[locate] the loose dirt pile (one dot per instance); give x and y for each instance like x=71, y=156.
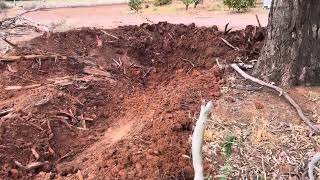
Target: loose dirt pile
x=117, y=103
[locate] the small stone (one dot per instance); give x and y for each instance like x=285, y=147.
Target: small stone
x=14, y=173
x=258, y=105
x=121, y=97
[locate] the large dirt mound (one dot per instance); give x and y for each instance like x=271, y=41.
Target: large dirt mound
x=146, y=80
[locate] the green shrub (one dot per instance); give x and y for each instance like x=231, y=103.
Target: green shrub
x=162, y=2
x=187, y=3
x=239, y=4
x=135, y=4
x=3, y=5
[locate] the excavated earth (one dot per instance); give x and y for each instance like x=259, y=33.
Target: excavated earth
x=112, y=104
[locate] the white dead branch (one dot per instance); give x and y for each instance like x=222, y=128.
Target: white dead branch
x=197, y=140
x=312, y=164
x=282, y=93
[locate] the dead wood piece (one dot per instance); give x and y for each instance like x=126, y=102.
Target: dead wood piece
x=30, y=57
x=10, y=43
x=258, y=21
x=115, y=37
x=42, y=101
x=35, y=153
x=65, y=156
x=197, y=140
x=11, y=88
x=5, y=111
x=96, y=71
x=312, y=165
x=229, y=44
x=219, y=65
x=64, y=121
x=282, y=93
x=30, y=166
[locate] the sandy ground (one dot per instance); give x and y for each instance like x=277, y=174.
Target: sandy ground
x=111, y=16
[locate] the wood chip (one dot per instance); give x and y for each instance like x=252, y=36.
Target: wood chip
x=96, y=71
x=35, y=153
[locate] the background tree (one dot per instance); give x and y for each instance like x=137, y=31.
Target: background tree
x=291, y=55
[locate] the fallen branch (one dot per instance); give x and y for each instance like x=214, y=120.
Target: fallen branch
x=30, y=57
x=115, y=37
x=282, y=93
x=258, y=21
x=229, y=44
x=65, y=156
x=30, y=166
x=197, y=140
x=218, y=64
x=10, y=43
x=312, y=165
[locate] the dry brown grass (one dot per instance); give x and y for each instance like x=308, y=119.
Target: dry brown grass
x=271, y=143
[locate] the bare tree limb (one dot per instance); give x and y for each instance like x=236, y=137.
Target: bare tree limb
x=197, y=140
x=229, y=44
x=258, y=21
x=282, y=93
x=312, y=164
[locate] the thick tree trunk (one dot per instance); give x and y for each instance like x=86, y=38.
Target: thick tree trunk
x=291, y=55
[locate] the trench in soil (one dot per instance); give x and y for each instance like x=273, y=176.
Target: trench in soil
x=120, y=106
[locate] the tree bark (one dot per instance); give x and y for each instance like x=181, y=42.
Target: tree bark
x=291, y=55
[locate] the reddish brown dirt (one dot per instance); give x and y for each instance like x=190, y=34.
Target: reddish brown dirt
x=139, y=95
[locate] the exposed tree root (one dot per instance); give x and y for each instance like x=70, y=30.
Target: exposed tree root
x=312, y=165
x=197, y=140
x=282, y=93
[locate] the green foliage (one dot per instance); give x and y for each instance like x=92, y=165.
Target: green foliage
x=239, y=4
x=187, y=3
x=135, y=4
x=3, y=5
x=162, y=2
x=225, y=171
x=227, y=146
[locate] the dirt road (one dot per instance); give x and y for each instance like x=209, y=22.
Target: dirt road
x=111, y=16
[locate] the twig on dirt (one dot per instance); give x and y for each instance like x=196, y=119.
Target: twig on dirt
x=10, y=43
x=50, y=130
x=197, y=140
x=312, y=165
x=30, y=57
x=64, y=121
x=35, y=153
x=229, y=44
x=115, y=37
x=146, y=74
x=258, y=21
x=65, y=156
x=119, y=64
x=282, y=93
x=218, y=64
x=5, y=111
x=30, y=166
x=186, y=60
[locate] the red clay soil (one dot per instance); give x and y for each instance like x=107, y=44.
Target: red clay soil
x=148, y=79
